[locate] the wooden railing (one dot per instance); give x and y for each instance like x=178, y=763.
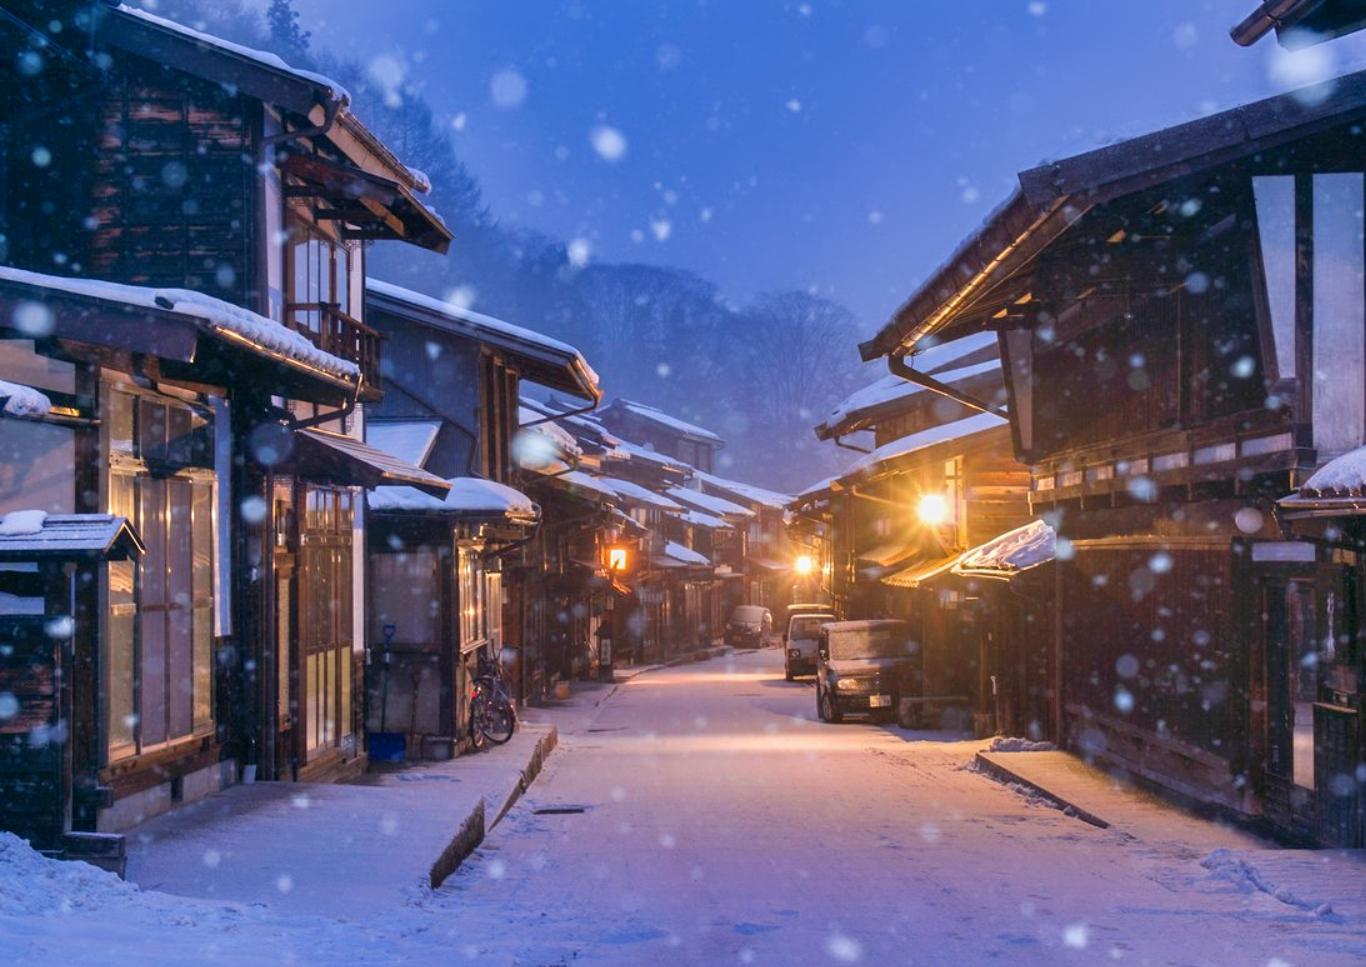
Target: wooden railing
x=335, y=332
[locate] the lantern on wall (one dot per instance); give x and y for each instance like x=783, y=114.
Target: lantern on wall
x=617, y=559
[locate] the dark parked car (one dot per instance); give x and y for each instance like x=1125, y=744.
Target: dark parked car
x=750, y=626
x=864, y=667
x=801, y=642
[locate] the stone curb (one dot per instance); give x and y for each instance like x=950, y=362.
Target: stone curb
x=544, y=746
x=465, y=842
x=994, y=768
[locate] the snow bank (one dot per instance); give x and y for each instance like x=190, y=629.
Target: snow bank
x=1227, y=865
x=22, y=523
x=24, y=402
x=1008, y=744
x=218, y=316
x=33, y=885
x=1016, y=550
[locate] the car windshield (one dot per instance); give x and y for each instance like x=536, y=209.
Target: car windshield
x=748, y=614
x=807, y=626
x=889, y=642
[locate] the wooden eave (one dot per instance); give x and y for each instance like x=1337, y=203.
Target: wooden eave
x=1053, y=196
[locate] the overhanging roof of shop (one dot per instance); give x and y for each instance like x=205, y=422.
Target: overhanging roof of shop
x=539, y=358
x=1011, y=553
x=889, y=456
x=409, y=440
x=970, y=285
x=189, y=330
x=1336, y=489
x=634, y=493
x=920, y=572
x=327, y=455
x=892, y=396
x=706, y=503
x=676, y=555
x=378, y=207
x=739, y=490
x=890, y=552
x=470, y=498
x=43, y=537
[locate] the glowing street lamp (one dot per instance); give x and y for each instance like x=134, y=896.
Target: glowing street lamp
x=616, y=559
x=804, y=564
x=933, y=509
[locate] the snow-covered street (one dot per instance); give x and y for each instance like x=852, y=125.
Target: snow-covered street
x=721, y=823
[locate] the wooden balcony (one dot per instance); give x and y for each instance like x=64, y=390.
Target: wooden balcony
x=335, y=332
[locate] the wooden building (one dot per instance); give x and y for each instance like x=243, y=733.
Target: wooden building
x=940, y=480
x=1182, y=321
x=184, y=224
x=452, y=405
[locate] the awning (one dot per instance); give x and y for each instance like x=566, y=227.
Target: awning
x=889, y=552
x=470, y=498
x=1012, y=553
x=919, y=572
x=909, y=450
x=32, y=535
x=698, y=519
x=1336, y=489
x=376, y=207
x=715, y=506
x=676, y=555
x=409, y=440
x=766, y=564
x=634, y=493
x=332, y=456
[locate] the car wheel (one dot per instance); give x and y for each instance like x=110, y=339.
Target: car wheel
x=787, y=672
x=826, y=708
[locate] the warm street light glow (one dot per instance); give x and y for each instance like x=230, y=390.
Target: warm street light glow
x=933, y=509
x=804, y=564
x=616, y=558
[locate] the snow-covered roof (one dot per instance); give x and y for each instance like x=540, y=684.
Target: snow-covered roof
x=23, y=402
x=634, y=451
x=709, y=504
x=634, y=492
x=938, y=355
x=562, y=439
x=1012, y=552
x=758, y=495
x=683, y=555
x=820, y=486
x=935, y=435
x=527, y=344
x=575, y=480
x=699, y=519
x=659, y=417
x=35, y=534
x=888, y=391
x=218, y=317
x=409, y=440
x=1344, y=476
x=469, y=496
x=262, y=58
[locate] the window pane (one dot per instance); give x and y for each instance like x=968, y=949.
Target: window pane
x=152, y=683
x=1275, y=200
x=1339, y=316
x=119, y=419
x=343, y=295
x=203, y=667
x=119, y=719
x=202, y=542
x=282, y=642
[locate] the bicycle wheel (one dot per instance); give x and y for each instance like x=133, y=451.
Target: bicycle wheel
x=501, y=721
x=478, y=720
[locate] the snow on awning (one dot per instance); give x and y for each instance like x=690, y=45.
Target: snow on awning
x=409, y=440
x=543, y=447
x=30, y=535
x=1011, y=553
x=228, y=324
x=919, y=572
x=323, y=454
x=634, y=493
x=1336, y=488
x=586, y=486
x=676, y=555
x=23, y=402
x=766, y=564
x=717, y=506
x=744, y=491
x=540, y=358
x=884, y=457
x=469, y=498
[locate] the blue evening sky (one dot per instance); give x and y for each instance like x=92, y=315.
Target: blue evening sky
x=842, y=147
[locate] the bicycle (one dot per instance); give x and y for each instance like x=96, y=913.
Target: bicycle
x=493, y=716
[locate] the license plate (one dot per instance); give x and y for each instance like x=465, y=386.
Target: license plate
x=879, y=701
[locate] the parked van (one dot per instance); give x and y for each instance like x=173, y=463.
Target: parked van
x=803, y=638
